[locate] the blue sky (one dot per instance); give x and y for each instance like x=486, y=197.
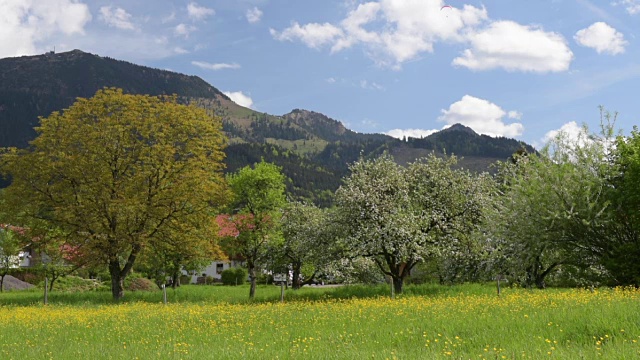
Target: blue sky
x=517, y=68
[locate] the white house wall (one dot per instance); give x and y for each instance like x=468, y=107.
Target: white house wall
x=214, y=270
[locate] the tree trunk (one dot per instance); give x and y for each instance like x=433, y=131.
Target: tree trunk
x=252, y=278
x=117, y=280
x=2, y=283
x=53, y=279
x=295, y=282
x=397, y=284
x=175, y=280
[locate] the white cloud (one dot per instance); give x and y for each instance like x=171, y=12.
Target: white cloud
x=180, y=50
x=482, y=116
x=515, y=47
x=183, y=30
x=414, y=133
x=313, y=35
x=197, y=12
x=407, y=28
x=571, y=131
x=393, y=32
x=218, y=66
x=239, y=98
x=27, y=25
x=370, y=85
x=118, y=18
x=331, y=80
x=514, y=115
x=632, y=6
x=169, y=18
x=254, y=15
x=602, y=38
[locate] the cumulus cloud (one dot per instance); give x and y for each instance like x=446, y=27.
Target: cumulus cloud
x=180, y=50
x=26, y=25
x=632, y=6
x=254, y=15
x=197, y=12
x=602, y=38
x=482, y=116
x=239, y=98
x=217, y=66
x=183, y=30
x=514, y=115
x=515, y=47
x=414, y=133
x=571, y=131
x=118, y=18
x=407, y=28
x=313, y=35
x=393, y=32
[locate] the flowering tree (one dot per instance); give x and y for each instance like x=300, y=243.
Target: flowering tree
x=309, y=243
x=402, y=216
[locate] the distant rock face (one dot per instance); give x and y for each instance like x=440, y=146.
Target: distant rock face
x=11, y=283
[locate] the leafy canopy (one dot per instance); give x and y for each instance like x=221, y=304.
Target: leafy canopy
x=120, y=174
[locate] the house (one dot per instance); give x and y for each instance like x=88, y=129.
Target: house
x=23, y=258
x=28, y=257
x=215, y=269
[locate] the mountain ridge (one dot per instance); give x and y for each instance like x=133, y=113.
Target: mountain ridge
x=313, y=149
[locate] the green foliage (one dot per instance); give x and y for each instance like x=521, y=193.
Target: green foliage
x=555, y=210
x=142, y=284
x=309, y=242
x=259, y=195
x=73, y=284
x=234, y=276
x=121, y=173
x=10, y=247
x=400, y=216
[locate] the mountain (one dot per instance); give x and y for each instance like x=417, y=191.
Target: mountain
x=32, y=86
x=313, y=149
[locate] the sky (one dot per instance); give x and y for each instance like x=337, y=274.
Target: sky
x=521, y=69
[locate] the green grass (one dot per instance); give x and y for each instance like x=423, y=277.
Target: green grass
x=427, y=322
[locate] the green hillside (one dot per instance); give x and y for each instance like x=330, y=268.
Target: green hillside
x=313, y=149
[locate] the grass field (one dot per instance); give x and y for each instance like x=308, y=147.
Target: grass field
x=428, y=322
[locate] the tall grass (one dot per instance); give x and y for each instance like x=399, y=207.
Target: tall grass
x=235, y=294
x=427, y=322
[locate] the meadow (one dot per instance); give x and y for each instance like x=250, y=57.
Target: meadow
x=355, y=322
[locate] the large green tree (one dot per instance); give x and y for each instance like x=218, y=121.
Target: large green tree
x=259, y=196
x=554, y=207
x=120, y=173
x=622, y=250
x=401, y=216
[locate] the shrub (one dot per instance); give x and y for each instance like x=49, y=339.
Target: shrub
x=234, y=276
x=75, y=284
x=142, y=284
x=185, y=279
